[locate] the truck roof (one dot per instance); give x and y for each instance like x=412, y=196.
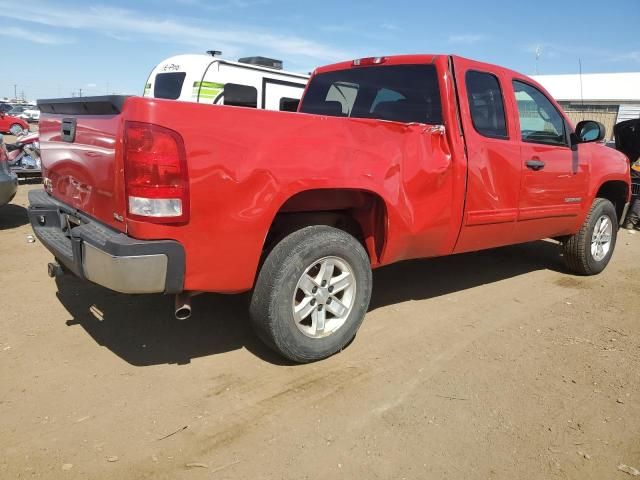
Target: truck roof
x=425, y=59
x=411, y=59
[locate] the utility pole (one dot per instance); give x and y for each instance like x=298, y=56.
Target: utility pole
x=581, y=91
x=15, y=91
x=80, y=92
x=538, y=55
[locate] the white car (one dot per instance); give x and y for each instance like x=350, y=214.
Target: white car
x=31, y=114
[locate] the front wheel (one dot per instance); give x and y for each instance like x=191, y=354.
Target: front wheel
x=589, y=251
x=312, y=293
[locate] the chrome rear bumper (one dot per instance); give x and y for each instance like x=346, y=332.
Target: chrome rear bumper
x=104, y=256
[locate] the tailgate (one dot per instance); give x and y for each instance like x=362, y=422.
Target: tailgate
x=80, y=141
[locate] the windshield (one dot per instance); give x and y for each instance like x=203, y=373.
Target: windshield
x=400, y=93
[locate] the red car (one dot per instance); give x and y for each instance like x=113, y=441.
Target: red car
x=12, y=125
x=388, y=159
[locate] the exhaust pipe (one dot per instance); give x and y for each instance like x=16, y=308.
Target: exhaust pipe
x=183, y=306
x=54, y=270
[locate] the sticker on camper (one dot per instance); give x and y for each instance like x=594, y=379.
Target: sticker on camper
x=208, y=91
x=147, y=90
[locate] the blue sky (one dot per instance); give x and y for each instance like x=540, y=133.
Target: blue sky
x=51, y=48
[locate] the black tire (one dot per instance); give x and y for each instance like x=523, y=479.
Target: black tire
x=577, y=249
x=272, y=301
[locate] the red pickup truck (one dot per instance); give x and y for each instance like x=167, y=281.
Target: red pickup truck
x=387, y=159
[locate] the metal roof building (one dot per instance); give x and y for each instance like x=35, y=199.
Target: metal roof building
x=607, y=97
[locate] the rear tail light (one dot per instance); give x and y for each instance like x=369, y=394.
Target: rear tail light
x=155, y=169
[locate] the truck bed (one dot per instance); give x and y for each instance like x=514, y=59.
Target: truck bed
x=244, y=166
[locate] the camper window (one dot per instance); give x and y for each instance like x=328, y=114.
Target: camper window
x=289, y=104
x=240, y=95
x=169, y=85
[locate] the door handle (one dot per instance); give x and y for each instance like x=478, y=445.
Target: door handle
x=535, y=165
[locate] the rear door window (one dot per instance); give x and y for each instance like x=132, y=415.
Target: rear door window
x=400, y=93
x=486, y=104
x=169, y=85
x=240, y=95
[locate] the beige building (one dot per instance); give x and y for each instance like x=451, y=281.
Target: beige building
x=609, y=98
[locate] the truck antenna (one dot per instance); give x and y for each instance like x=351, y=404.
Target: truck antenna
x=214, y=53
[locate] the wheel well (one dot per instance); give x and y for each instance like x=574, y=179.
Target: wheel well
x=360, y=213
x=617, y=193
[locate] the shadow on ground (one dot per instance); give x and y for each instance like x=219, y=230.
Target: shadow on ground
x=431, y=278
x=142, y=331
x=13, y=216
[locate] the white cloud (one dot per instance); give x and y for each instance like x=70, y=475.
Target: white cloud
x=467, y=38
x=389, y=26
x=123, y=22
x=337, y=28
x=550, y=50
x=230, y=4
x=34, y=36
x=627, y=57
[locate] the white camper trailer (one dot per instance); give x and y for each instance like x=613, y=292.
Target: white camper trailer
x=255, y=82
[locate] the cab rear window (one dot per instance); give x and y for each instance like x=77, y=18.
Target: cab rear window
x=168, y=85
x=400, y=93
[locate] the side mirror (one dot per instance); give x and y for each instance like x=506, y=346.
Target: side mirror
x=589, y=131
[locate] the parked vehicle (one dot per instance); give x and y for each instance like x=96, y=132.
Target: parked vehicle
x=24, y=155
x=389, y=159
x=8, y=179
x=12, y=125
x=255, y=82
x=627, y=135
x=17, y=110
x=5, y=107
x=30, y=114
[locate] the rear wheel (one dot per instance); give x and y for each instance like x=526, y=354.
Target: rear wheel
x=589, y=251
x=312, y=293
x=16, y=129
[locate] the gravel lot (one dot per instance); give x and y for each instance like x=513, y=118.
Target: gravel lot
x=480, y=366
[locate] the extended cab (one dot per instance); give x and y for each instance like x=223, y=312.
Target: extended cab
x=387, y=159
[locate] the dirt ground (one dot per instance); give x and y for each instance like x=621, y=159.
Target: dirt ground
x=480, y=366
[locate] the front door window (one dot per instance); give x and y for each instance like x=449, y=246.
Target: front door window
x=540, y=122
